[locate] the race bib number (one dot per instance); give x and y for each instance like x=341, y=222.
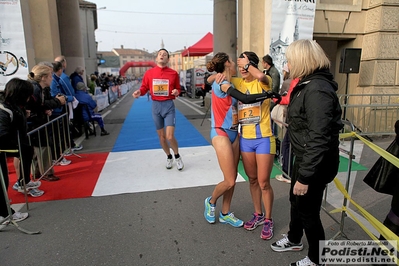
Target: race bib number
x=249, y=114
x=234, y=125
x=160, y=87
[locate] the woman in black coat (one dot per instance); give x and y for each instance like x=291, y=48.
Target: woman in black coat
x=41, y=105
x=13, y=125
x=314, y=119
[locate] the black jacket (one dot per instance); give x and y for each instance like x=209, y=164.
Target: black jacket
x=314, y=118
x=10, y=125
x=40, y=101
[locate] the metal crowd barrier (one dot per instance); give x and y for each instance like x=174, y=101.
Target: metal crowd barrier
x=50, y=141
x=371, y=114
x=348, y=126
x=349, y=133
x=9, y=220
x=57, y=138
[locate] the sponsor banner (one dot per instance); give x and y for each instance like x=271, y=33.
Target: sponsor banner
x=358, y=252
x=112, y=94
x=291, y=20
x=98, y=91
x=124, y=89
x=13, y=56
x=102, y=101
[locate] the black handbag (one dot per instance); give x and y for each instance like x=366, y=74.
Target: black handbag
x=383, y=176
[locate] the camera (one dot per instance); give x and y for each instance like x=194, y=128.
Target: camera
x=60, y=94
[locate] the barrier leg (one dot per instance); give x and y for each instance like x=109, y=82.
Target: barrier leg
x=345, y=202
x=8, y=220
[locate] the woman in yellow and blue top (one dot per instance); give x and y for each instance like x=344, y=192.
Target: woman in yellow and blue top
x=257, y=143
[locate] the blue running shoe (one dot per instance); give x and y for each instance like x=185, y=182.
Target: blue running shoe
x=209, y=212
x=230, y=219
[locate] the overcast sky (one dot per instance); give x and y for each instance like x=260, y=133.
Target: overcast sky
x=139, y=24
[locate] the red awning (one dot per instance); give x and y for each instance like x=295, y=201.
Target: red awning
x=200, y=48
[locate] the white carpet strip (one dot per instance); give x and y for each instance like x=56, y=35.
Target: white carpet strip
x=139, y=171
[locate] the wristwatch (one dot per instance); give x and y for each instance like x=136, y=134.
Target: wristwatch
x=247, y=66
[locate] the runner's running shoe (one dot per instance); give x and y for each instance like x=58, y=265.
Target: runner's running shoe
x=179, y=164
x=209, y=212
x=267, y=231
x=230, y=219
x=169, y=163
x=254, y=222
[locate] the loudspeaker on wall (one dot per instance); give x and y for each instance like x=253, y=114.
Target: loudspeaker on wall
x=350, y=60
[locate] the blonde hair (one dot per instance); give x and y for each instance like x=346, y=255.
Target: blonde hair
x=304, y=57
x=38, y=72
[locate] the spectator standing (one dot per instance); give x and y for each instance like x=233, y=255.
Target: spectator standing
x=61, y=84
x=286, y=154
x=383, y=178
x=314, y=119
x=77, y=76
x=41, y=105
x=164, y=86
x=207, y=88
x=92, y=84
x=13, y=126
x=286, y=81
x=271, y=70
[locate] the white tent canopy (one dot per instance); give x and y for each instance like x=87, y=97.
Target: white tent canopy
x=201, y=62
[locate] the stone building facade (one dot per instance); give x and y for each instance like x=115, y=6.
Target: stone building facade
x=372, y=25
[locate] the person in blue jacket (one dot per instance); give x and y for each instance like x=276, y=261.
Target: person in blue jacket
x=77, y=76
x=84, y=98
x=61, y=85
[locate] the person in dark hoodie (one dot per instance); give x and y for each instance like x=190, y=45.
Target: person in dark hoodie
x=13, y=136
x=314, y=119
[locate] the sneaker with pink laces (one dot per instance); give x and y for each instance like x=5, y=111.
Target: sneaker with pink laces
x=254, y=222
x=267, y=231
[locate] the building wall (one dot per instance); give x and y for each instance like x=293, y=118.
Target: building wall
x=134, y=55
x=176, y=61
x=41, y=30
x=70, y=34
x=52, y=28
x=87, y=28
x=372, y=25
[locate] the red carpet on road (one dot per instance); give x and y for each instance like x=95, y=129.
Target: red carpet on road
x=77, y=180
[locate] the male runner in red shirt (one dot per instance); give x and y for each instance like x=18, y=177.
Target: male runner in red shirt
x=164, y=86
